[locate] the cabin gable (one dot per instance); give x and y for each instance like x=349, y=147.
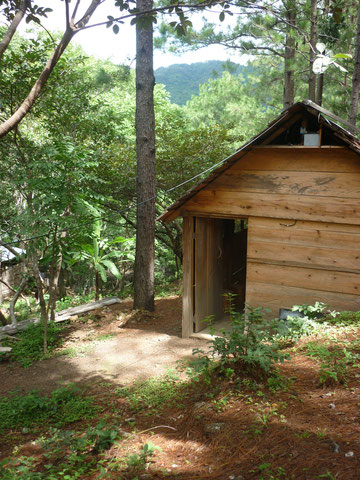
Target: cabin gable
x=305, y=183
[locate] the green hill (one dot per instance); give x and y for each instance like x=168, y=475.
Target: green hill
x=182, y=80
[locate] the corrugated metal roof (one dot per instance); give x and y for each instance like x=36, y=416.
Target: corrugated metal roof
x=306, y=105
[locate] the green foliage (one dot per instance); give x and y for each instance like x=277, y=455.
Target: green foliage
x=278, y=383
x=344, y=318
x=102, y=436
x=336, y=359
x=29, y=348
x=316, y=311
x=66, y=452
x=64, y=405
x=139, y=461
x=230, y=102
x=183, y=80
x=249, y=344
x=152, y=394
x=74, y=301
x=294, y=328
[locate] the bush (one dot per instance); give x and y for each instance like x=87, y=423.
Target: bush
x=250, y=344
x=30, y=346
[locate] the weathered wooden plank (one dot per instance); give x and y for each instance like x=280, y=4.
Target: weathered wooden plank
x=322, y=184
x=314, y=279
x=5, y=349
x=299, y=160
x=334, y=209
x=323, y=238
x=87, y=307
x=302, y=225
x=188, y=276
x=279, y=296
x=61, y=316
x=331, y=258
x=200, y=273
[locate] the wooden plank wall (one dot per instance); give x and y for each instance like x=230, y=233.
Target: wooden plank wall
x=315, y=184
x=291, y=262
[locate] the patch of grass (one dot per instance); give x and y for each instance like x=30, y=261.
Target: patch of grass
x=104, y=337
x=154, y=393
x=30, y=347
x=22, y=310
x=65, y=405
x=76, y=351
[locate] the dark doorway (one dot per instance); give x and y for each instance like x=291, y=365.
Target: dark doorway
x=235, y=253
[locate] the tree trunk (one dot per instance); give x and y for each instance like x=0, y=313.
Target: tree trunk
x=97, y=286
x=71, y=29
x=43, y=309
x=356, y=76
x=19, y=15
x=54, y=277
x=29, y=101
x=289, y=88
x=15, y=299
x=313, y=38
x=3, y=320
x=320, y=88
x=145, y=151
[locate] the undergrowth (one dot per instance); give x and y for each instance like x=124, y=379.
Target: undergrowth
x=251, y=345
x=65, y=405
x=152, y=394
x=29, y=348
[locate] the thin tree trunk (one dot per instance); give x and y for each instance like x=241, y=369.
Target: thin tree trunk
x=19, y=15
x=356, y=76
x=54, y=277
x=320, y=88
x=145, y=180
x=29, y=101
x=15, y=299
x=97, y=286
x=71, y=29
x=3, y=320
x=289, y=87
x=313, y=38
x=39, y=284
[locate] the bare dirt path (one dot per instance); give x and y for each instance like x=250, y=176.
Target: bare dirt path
x=100, y=351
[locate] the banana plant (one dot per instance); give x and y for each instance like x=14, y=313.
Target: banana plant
x=101, y=253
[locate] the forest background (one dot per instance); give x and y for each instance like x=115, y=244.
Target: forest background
x=68, y=170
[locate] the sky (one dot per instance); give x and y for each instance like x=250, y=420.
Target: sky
x=101, y=42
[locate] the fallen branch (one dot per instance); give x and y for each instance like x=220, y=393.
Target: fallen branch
x=88, y=307
x=61, y=316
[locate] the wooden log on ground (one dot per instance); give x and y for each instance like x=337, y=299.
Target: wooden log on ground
x=88, y=307
x=5, y=349
x=61, y=316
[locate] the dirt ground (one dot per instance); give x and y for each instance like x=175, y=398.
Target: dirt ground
x=148, y=345
x=223, y=431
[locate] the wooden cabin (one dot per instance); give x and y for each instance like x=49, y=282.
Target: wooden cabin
x=278, y=223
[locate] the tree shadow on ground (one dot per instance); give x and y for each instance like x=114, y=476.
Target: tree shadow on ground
x=290, y=434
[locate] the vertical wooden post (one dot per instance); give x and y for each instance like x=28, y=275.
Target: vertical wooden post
x=188, y=276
